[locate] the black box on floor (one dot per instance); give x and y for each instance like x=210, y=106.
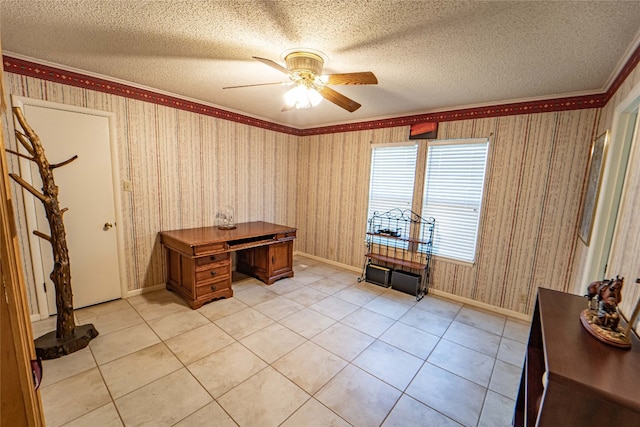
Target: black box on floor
x=405, y=282
x=378, y=275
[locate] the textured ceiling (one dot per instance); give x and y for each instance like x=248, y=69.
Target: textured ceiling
x=427, y=55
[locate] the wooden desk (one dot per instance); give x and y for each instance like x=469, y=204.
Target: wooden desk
x=199, y=261
x=589, y=383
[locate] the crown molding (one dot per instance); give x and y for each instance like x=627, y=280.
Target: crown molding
x=82, y=80
x=77, y=78
x=628, y=67
x=530, y=107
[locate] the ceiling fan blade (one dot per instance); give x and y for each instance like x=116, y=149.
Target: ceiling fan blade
x=338, y=99
x=363, y=78
x=258, y=84
x=272, y=64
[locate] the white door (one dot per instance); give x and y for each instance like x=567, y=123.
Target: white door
x=86, y=189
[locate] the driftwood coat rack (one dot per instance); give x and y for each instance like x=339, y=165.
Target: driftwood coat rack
x=67, y=338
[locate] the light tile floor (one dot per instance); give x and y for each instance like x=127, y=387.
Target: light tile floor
x=319, y=349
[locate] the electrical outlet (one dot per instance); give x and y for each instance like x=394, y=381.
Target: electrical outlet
x=127, y=185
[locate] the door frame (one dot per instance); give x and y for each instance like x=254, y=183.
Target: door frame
x=626, y=118
x=17, y=333
x=30, y=207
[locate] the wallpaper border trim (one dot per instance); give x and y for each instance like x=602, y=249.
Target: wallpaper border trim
x=628, y=68
x=530, y=107
x=49, y=73
x=57, y=75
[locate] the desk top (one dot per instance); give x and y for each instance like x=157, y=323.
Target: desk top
x=574, y=356
x=193, y=237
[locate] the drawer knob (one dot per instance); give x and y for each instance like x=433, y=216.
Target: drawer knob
x=213, y=273
x=212, y=258
x=213, y=288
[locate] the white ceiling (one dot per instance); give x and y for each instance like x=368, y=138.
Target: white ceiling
x=427, y=55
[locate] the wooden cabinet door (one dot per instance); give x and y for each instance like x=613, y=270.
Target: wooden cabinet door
x=281, y=255
x=268, y=263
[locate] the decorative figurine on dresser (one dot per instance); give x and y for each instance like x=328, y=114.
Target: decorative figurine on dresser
x=602, y=320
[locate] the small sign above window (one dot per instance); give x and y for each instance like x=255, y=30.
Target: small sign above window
x=427, y=130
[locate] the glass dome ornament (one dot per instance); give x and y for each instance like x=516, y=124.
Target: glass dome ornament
x=224, y=218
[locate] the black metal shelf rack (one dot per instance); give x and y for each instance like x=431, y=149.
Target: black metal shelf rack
x=399, y=243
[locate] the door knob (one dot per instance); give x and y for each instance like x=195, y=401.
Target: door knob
x=107, y=225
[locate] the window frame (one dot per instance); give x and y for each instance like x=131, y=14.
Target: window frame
x=477, y=207
x=420, y=175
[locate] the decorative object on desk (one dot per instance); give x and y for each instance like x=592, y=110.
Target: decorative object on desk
x=603, y=320
x=602, y=289
x=596, y=165
x=67, y=338
x=224, y=218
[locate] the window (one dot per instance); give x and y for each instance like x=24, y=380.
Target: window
x=451, y=190
x=392, y=181
x=454, y=180
x=392, y=178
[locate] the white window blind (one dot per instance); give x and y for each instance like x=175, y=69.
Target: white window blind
x=392, y=177
x=453, y=189
x=393, y=170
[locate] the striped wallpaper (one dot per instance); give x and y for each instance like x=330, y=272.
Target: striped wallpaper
x=185, y=165
x=529, y=219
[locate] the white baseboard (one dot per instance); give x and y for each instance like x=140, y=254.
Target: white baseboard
x=482, y=305
x=148, y=289
x=37, y=317
x=468, y=301
x=327, y=261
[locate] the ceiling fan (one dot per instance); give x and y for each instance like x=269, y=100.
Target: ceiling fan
x=304, y=69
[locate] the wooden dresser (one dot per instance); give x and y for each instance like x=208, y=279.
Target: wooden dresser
x=199, y=259
x=587, y=382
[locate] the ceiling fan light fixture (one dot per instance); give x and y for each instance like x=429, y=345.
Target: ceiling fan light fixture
x=302, y=96
x=304, y=69
x=305, y=62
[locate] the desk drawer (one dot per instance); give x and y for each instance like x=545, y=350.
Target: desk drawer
x=211, y=274
x=204, y=261
x=213, y=287
x=286, y=236
x=209, y=248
